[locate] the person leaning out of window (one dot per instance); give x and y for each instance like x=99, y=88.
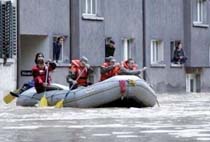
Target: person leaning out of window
x=110, y=48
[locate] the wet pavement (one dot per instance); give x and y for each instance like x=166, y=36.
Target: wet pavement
x=180, y=118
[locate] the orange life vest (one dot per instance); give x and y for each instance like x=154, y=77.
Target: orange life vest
x=77, y=69
x=125, y=65
x=110, y=73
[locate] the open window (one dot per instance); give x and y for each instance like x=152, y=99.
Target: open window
x=59, y=50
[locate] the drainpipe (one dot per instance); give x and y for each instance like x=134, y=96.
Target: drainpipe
x=18, y=41
x=70, y=28
x=144, y=36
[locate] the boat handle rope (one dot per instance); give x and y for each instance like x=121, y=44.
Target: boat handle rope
x=122, y=84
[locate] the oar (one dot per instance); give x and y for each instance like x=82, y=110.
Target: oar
x=43, y=101
x=8, y=98
x=59, y=104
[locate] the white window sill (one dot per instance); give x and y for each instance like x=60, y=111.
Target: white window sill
x=199, y=24
x=158, y=65
x=176, y=65
x=92, y=17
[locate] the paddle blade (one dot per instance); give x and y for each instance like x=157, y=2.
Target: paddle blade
x=59, y=104
x=43, y=102
x=8, y=98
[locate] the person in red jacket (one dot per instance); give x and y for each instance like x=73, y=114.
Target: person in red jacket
x=129, y=67
x=79, y=72
x=109, y=68
x=40, y=73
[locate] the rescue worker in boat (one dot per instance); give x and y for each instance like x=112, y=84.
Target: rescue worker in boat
x=41, y=75
x=79, y=72
x=109, y=68
x=129, y=67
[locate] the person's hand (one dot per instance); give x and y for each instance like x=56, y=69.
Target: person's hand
x=144, y=68
x=74, y=82
x=45, y=84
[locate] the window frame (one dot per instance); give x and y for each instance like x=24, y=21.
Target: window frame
x=200, y=11
x=94, y=12
x=89, y=4
x=201, y=14
x=127, y=46
x=157, y=56
x=62, y=59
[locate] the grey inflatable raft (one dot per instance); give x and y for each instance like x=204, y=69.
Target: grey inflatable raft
x=118, y=91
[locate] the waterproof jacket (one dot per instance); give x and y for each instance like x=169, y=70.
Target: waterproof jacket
x=39, y=76
x=77, y=70
x=108, y=71
x=126, y=70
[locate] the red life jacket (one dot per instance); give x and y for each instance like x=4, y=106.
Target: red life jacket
x=125, y=65
x=39, y=76
x=111, y=73
x=77, y=69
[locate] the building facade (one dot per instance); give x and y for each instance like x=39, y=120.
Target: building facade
x=146, y=30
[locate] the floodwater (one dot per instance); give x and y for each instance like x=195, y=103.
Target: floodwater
x=180, y=118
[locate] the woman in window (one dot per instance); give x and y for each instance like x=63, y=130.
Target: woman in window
x=57, y=46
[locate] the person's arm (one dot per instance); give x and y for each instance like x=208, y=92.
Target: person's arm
x=124, y=71
x=109, y=68
x=71, y=77
x=52, y=65
x=106, y=69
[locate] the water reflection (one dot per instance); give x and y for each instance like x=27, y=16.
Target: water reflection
x=179, y=118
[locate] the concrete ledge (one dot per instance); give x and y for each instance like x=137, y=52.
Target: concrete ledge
x=200, y=25
x=92, y=17
x=158, y=65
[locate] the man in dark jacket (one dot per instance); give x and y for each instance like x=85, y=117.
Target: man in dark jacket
x=179, y=56
x=110, y=48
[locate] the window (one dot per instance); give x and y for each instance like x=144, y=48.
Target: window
x=90, y=7
x=193, y=82
x=157, y=52
x=58, y=50
x=127, y=43
x=201, y=11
